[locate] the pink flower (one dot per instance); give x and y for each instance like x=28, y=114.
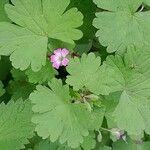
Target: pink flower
x=59, y=58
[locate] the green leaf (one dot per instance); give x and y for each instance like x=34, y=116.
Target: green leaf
x=46, y=74
x=57, y=118
x=38, y=20
x=4, y=71
x=55, y=44
x=88, y=9
x=3, y=16
x=97, y=117
x=110, y=102
x=134, y=85
x=130, y=145
x=18, y=75
x=46, y=145
x=82, y=70
x=127, y=76
x=26, y=48
x=2, y=91
x=118, y=5
x=15, y=125
x=138, y=62
x=89, y=142
x=103, y=147
x=47, y=18
x=134, y=110
x=21, y=81
x=20, y=89
x=147, y=2
x=83, y=73
x=131, y=113
x=121, y=26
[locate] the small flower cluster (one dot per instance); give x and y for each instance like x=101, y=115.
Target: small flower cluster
x=119, y=134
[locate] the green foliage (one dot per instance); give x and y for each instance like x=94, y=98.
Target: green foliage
x=5, y=67
x=89, y=142
x=46, y=74
x=15, y=124
x=38, y=21
x=19, y=80
x=23, y=91
x=130, y=145
x=110, y=102
x=2, y=91
x=133, y=107
x=93, y=96
x=57, y=118
x=122, y=26
x=46, y=145
x=3, y=16
x=85, y=44
x=92, y=76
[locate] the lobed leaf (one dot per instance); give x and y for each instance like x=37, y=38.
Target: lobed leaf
x=15, y=125
x=122, y=26
x=87, y=72
x=38, y=20
x=3, y=16
x=59, y=119
x=134, y=85
x=46, y=74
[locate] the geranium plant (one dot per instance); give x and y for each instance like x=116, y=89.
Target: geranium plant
x=75, y=74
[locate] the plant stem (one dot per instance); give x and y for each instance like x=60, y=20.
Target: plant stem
x=105, y=129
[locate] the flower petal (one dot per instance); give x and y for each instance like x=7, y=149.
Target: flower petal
x=64, y=52
x=56, y=65
x=53, y=58
x=65, y=62
x=58, y=52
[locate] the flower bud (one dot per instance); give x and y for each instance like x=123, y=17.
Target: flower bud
x=119, y=134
